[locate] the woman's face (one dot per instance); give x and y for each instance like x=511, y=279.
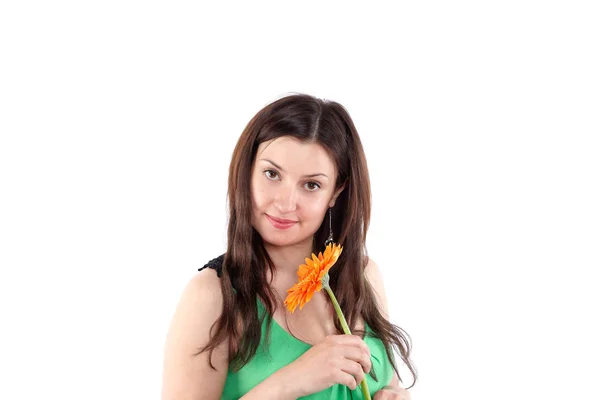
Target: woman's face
x=292, y=186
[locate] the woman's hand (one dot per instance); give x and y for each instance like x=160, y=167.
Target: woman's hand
x=342, y=359
x=392, y=393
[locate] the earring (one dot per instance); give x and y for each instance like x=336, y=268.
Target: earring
x=330, y=238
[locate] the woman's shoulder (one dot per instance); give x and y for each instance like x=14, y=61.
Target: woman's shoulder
x=375, y=278
x=207, y=283
x=216, y=265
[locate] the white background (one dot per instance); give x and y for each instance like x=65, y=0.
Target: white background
x=480, y=123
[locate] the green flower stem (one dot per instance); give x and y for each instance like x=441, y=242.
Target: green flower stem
x=338, y=310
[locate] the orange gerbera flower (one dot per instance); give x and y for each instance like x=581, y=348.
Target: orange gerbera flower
x=310, y=277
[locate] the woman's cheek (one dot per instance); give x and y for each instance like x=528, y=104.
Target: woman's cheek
x=260, y=194
x=316, y=205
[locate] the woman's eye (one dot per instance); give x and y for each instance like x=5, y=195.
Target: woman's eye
x=312, y=186
x=271, y=174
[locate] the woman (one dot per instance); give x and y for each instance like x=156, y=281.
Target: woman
x=297, y=178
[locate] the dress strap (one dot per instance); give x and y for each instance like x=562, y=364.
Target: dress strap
x=215, y=263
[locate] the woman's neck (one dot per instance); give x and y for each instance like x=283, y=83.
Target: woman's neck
x=286, y=260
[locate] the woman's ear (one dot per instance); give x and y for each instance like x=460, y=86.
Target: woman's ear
x=336, y=194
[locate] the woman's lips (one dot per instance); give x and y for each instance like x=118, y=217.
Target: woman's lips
x=280, y=223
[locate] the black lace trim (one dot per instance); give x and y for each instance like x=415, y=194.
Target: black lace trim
x=215, y=264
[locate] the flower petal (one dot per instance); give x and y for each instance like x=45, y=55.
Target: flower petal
x=310, y=277
x=303, y=270
x=315, y=260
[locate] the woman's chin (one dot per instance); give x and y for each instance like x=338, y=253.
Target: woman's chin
x=279, y=241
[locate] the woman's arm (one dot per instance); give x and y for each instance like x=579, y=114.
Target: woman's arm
x=272, y=388
x=375, y=278
x=185, y=376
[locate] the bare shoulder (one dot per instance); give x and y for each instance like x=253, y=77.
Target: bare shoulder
x=373, y=275
x=204, y=286
x=186, y=376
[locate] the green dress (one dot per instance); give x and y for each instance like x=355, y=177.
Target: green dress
x=283, y=349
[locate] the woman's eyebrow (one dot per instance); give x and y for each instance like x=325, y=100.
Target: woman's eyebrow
x=282, y=170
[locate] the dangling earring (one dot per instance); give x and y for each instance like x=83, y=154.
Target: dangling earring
x=330, y=238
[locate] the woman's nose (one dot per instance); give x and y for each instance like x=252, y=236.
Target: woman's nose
x=286, y=199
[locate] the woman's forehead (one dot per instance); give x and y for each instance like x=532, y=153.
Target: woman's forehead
x=296, y=155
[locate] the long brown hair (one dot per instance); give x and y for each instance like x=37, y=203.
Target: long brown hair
x=246, y=261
